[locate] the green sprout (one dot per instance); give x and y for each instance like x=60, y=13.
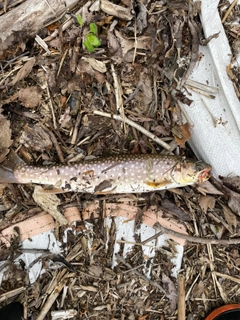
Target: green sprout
x=79, y=20
x=91, y=41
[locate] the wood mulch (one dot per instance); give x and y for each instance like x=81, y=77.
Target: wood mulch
x=61, y=103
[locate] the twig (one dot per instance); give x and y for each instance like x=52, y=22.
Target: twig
x=221, y=242
x=55, y=143
x=226, y=276
x=53, y=296
x=181, y=297
x=211, y=264
x=134, y=125
x=118, y=95
x=42, y=43
x=153, y=283
x=76, y=128
x=229, y=10
x=132, y=95
x=180, y=104
x=189, y=121
x=202, y=92
x=51, y=106
x=135, y=40
x=158, y=234
x=61, y=62
x=137, y=243
x=12, y=293
x=195, y=47
x=201, y=86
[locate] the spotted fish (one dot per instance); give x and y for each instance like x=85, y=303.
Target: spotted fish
x=118, y=174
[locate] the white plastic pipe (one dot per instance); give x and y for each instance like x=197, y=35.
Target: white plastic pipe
x=215, y=142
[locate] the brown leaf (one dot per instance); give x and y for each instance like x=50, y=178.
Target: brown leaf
x=232, y=183
x=30, y=97
x=96, y=270
x=206, y=202
x=218, y=230
x=24, y=71
x=171, y=292
x=234, y=204
x=160, y=130
x=208, y=187
x=176, y=211
x=36, y=138
x=230, y=217
x=181, y=134
x=198, y=289
x=5, y=137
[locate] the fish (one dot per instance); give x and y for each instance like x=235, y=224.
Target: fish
x=111, y=175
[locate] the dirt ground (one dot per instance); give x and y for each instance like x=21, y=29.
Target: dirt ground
x=102, y=79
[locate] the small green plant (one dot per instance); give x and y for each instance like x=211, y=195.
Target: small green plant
x=91, y=41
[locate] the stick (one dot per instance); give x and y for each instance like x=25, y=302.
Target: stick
x=118, y=95
x=53, y=296
x=221, y=242
x=134, y=125
x=181, y=297
x=229, y=10
x=153, y=283
x=55, y=143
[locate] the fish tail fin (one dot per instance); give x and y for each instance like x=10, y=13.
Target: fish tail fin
x=8, y=166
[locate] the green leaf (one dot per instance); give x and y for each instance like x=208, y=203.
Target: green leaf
x=93, y=28
x=89, y=46
x=93, y=40
x=79, y=19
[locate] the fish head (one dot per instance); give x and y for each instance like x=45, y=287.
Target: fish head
x=190, y=172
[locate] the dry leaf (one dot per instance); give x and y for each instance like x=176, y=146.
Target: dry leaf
x=24, y=71
x=170, y=207
x=96, y=64
x=218, y=230
x=30, y=97
x=208, y=187
x=171, y=292
x=49, y=203
x=181, y=134
x=198, y=289
x=230, y=217
x=5, y=137
x=232, y=183
x=116, y=11
x=206, y=202
x=234, y=203
x=36, y=138
x=96, y=270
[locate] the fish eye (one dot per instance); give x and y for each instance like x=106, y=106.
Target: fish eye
x=199, y=165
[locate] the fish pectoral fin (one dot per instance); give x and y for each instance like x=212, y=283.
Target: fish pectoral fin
x=102, y=186
x=158, y=184
x=51, y=190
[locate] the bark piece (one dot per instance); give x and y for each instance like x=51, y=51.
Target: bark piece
x=28, y=18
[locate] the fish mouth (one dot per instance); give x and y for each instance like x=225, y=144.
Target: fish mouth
x=204, y=174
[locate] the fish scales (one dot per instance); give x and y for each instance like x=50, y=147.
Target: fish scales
x=120, y=174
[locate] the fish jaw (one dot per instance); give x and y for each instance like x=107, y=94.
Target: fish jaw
x=190, y=172
x=204, y=174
